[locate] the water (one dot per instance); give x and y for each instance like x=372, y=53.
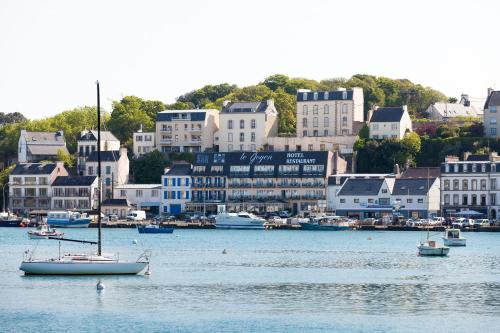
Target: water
x=269, y=281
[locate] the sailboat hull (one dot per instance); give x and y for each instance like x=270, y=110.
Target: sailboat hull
x=81, y=268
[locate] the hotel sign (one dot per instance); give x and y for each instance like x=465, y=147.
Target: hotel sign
x=263, y=158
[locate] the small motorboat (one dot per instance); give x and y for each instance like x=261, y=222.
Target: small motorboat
x=453, y=237
x=155, y=229
x=44, y=231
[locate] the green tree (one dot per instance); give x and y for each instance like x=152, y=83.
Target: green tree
x=285, y=105
x=127, y=117
x=68, y=159
x=148, y=168
x=412, y=143
x=364, y=132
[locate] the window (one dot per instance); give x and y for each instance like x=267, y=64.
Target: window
x=288, y=169
x=446, y=185
x=493, y=131
x=446, y=199
x=229, y=147
x=304, y=133
x=326, y=122
x=138, y=138
x=356, y=200
x=322, y=147
x=342, y=200
x=264, y=169
x=315, y=133
x=315, y=109
x=455, y=167
x=252, y=137
x=455, y=184
x=370, y=200
x=493, y=183
x=394, y=126
x=473, y=200
x=344, y=121
x=483, y=184
x=148, y=138
x=230, y=137
x=326, y=108
x=138, y=193
x=325, y=133
x=315, y=122
x=493, y=199
x=242, y=137
x=409, y=200
x=252, y=147
x=176, y=138
x=464, y=200
x=493, y=121
x=420, y=200
x=243, y=169
x=242, y=124
x=304, y=122
x=108, y=181
x=493, y=109
x=310, y=147
x=344, y=108
x=375, y=127
x=465, y=185
x=304, y=110
x=230, y=124
x=108, y=170
x=90, y=171
x=313, y=168
x=474, y=185
x=455, y=199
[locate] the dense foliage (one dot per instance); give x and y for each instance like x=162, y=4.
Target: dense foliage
x=149, y=168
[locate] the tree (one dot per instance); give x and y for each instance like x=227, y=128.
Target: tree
x=127, y=117
x=285, y=105
x=452, y=100
x=412, y=143
x=364, y=132
x=276, y=81
x=63, y=156
x=148, y=168
x=200, y=98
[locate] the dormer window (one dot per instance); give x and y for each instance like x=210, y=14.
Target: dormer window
x=304, y=96
x=344, y=95
x=326, y=95
x=315, y=96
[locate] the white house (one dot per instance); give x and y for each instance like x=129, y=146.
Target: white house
x=30, y=185
x=142, y=196
x=491, y=118
x=441, y=111
x=176, y=188
x=417, y=197
x=390, y=123
x=40, y=146
x=246, y=126
x=87, y=143
x=115, y=169
x=75, y=192
x=144, y=142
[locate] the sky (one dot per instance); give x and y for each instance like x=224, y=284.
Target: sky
x=52, y=52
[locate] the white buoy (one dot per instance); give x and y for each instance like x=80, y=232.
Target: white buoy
x=134, y=241
x=100, y=286
x=224, y=251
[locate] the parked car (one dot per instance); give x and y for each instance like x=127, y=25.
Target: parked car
x=481, y=223
x=276, y=219
x=136, y=215
x=284, y=214
x=112, y=217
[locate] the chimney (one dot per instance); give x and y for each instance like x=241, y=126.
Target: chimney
x=397, y=170
x=167, y=169
x=226, y=103
x=493, y=156
x=405, y=108
x=490, y=90
x=123, y=151
x=466, y=155
x=451, y=158
x=270, y=103
x=140, y=129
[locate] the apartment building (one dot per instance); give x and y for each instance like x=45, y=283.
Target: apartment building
x=470, y=184
x=75, y=193
x=141, y=196
x=87, y=144
x=186, y=130
x=329, y=113
x=491, y=118
x=390, y=123
x=40, y=146
x=30, y=186
x=246, y=126
x=176, y=188
x=115, y=169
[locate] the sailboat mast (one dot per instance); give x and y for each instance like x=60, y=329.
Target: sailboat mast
x=99, y=170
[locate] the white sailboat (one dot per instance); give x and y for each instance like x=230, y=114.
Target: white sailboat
x=85, y=264
x=431, y=248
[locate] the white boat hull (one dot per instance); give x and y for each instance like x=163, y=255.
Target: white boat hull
x=233, y=221
x=57, y=267
x=433, y=251
x=454, y=241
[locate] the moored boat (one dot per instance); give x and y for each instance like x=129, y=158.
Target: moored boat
x=67, y=219
x=241, y=220
x=10, y=220
x=327, y=223
x=431, y=248
x=453, y=237
x=43, y=231
x=155, y=229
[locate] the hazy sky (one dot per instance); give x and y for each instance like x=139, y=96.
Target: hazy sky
x=51, y=52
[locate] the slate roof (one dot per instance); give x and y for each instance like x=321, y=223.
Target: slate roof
x=46, y=149
x=355, y=186
x=478, y=158
x=91, y=135
x=106, y=156
x=337, y=95
x=181, y=169
x=245, y=107
x=45, y=137
x=169, y=115
x=387, y=115
x=115, y=202
x=34, y=169
x=412, y=186
x=448, y=110
x=74, y=181
x=421, y=173
x=493, y=99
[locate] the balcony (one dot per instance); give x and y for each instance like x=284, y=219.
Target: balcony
x=313, y=184
x=265, y=184
x=166, y=141
x=166, y=129
x=240, y=185
x=195, y=141
x=313, y=197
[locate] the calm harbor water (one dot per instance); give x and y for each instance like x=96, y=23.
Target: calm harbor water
x=269, y=281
